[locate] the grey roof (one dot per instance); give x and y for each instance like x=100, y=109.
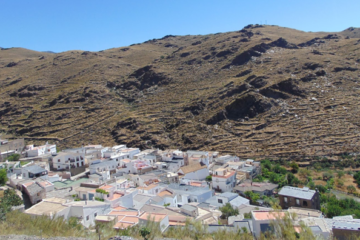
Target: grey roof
x=104, y=164
x=228, y=195
x=316, y=230
x=188, y=207
x=187, y=189
x=203, y=205
x=303, y=193
x=35, y=169
x=156, y=199
x=239, y=201
x=34, y=189
x=216, y=228
x=140, y=200
x=246, y=169
x=346, y=225
x=213, y=201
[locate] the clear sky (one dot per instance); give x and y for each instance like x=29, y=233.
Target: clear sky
x=61, y=25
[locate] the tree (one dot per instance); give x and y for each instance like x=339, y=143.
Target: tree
x=351, y=189
x=3, y=177
x=208, y=178
x=252, y=196
x=13, y=157
x=144, y=232
x=227, y=210
x=304, y=173
x=339, y=183
x=294, y=167
x=9, y=200
x=340, y=174
x=357, y=178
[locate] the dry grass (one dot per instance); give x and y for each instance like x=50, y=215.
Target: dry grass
x=327, y=126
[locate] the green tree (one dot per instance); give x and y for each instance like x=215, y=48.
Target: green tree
x=3, y=177
x=208, y=178
x=9, y=200
x=13, y=157
x=339, y=183
x=340, y=174
x=252, y=196
x=266, y=164
x=351, y=189
x=294, y=167
x=227, y=210
x=144, y=232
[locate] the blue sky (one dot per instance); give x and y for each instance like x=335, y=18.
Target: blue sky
x=61, y=25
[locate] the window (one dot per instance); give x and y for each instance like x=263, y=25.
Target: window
x=297, y=201
x=220, y=201
x=285, y=199
x=305, y=203
x=58, y=160
x=87, y=218
x=58, y=166
x=95, y=214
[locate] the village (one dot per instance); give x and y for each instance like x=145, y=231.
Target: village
x=124, y=187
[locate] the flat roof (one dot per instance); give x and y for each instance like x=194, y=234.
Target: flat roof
x=46, y=208
x=267, y=215
x=156, y=217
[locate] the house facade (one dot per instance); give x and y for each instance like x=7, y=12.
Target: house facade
x=223, y=180
x=299, y=197
x=67, y=160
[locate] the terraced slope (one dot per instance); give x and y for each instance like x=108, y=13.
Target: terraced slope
x=261, y=91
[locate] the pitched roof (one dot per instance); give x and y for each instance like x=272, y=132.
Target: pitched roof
x=303, y=193
x=192, y=168
x=35, y=169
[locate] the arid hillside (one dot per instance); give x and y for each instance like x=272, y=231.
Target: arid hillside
x=261, y=91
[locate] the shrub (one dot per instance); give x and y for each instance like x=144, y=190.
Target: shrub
x=3, y=177
x=13, y=157
x=208, y=178
x=227, y=210
x=294, y=167
x=351, y=189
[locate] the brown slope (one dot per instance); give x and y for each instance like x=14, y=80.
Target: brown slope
x=261, y=91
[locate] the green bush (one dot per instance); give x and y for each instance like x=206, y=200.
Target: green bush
x=13, y=157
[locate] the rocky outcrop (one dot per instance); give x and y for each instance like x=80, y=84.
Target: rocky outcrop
x=249, y=106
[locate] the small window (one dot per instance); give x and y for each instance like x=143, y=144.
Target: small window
x=297, y=201
x=58, y=166
x=285, y=199
x=305, y=203
x=58, y=160
x=220, y=201
x=87, y=218
x=95, y=214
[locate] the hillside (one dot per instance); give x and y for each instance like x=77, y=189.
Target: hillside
x=260, y=91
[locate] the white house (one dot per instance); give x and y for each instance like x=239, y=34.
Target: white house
x=199, y=156
x=261, y=221
x=105, y=165
x=223, y=180
x=152, y=189
x=67, y=160
x=195, y=171
x=87, y=211
x=162, y=219
x=186, y=193
x=32, y=151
